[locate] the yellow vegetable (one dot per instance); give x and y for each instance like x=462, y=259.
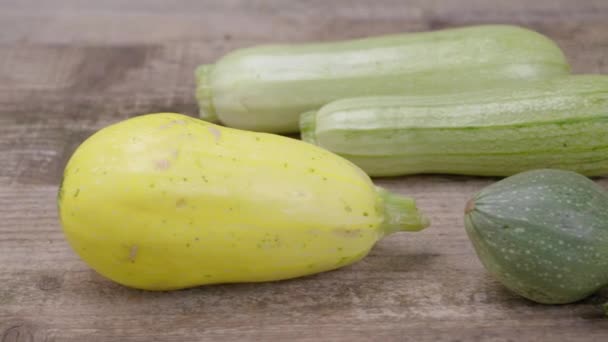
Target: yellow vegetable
x=165, y=201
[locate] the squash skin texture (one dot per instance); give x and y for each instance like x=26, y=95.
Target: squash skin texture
x=165, y=201
x=266, y=88
x=500, y=131
x=543, y=234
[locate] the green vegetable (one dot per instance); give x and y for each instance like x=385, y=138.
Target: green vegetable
x=555, y=123
x=266, y=88
x=543, y=234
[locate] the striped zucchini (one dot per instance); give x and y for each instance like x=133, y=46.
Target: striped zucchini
x=553, y=123
x=266, y=88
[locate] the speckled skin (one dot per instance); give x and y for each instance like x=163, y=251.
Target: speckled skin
x=266, y=88
x=497, y=131
x=543, y=234
x=165, y=201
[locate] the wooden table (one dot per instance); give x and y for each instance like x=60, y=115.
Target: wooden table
x=69, y=68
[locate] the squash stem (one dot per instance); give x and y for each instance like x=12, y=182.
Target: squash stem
x=204, y=94
x=400, y=213
x=308, y=126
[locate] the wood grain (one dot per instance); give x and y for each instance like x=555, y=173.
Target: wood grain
x=68, y=68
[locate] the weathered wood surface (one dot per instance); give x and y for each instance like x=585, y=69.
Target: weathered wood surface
x=68, y=68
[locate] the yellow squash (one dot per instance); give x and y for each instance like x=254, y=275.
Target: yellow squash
x=165, y=201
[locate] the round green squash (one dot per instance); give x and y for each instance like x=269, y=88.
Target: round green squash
x=543, y=234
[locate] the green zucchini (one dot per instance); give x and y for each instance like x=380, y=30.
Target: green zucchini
x=266, y=88
x=553, y=123
x=543, y=234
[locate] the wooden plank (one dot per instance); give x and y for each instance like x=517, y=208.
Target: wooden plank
x=409, y=282
x=99, y=69
x=28, y=72
x=54, y=96
x=310, y=8
x=70, y=67
x=116, y=22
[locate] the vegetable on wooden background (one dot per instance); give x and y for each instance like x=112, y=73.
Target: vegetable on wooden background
x=543, y=234
x=555, y=123
x=266, y=88
x=165, y=201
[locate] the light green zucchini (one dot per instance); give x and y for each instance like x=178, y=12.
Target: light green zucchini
x=266, y=88
x=558, y=123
